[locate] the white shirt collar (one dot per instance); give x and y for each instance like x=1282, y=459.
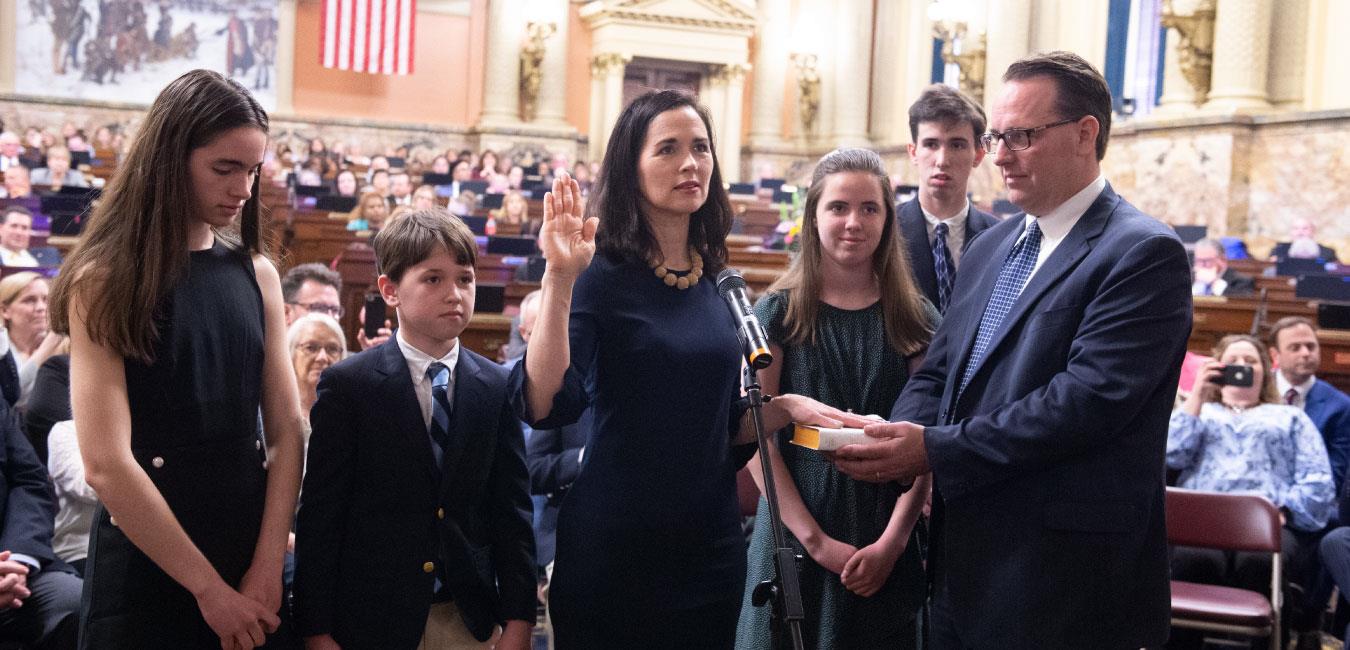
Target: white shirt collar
x=953, y=222
x=1283, y=385
x=1057, y=223
x=419, y=360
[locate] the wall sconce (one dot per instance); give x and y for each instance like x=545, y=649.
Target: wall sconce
x=952, y=25
x=808, y=90
x=532, y=66
x=1195, y=50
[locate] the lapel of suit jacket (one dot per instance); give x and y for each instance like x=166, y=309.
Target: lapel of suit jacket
x=466, y=420
x=973, y=227
x=1068, y=253
x=405, y=412
x=981, y=287
x=914, y=228
x=1312, y=404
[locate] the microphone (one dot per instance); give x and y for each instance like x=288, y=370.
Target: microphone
x=732, y=287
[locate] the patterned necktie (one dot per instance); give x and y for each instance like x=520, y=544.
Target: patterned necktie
x=440, y=403
x=1290, y=396
x=943, y=266
x=1011, y=279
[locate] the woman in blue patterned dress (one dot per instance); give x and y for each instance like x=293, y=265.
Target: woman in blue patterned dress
x=1243, y=439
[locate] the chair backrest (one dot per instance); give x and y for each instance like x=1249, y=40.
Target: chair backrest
x=1234, y=522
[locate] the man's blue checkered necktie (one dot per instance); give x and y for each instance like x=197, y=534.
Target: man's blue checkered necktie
x=943, y=266
x=440, y=403
x=1016, y=269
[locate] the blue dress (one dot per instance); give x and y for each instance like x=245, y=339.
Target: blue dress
x=649, y=546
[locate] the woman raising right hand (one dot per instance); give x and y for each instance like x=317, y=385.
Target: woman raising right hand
x=649, y=547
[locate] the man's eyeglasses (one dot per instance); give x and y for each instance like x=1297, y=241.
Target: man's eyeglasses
x=313, y=349
x=1017, y=139
x=335, y=311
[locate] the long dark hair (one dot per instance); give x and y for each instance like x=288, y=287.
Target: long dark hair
x=902, y=308
x=135, y=245
x=624, y=234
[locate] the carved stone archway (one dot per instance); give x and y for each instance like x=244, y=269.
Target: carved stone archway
x=713, y=33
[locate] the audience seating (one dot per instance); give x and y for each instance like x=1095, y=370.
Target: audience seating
x=1231, y=522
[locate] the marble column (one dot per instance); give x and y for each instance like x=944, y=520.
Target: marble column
x=606, y=98
x=729, y=81
x=888, y=72
x=1289, y=54
x=552, y=110
x=851, y=73
x=771, y=72
x=1178, y=95
x=501, y=74
x=285, y=58
x=1241, y=55
x=8, y=34
x=1008, y=39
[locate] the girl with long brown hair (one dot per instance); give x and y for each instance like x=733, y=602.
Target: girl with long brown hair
x=846, y=326
x=177, y=341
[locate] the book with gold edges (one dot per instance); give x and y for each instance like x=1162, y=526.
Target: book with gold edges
x=826, y=439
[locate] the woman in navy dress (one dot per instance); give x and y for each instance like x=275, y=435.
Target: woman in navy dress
x=177, y=341
x=649, y=546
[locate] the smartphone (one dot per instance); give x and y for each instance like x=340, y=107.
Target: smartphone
x=1236, y=375
x=375, y=315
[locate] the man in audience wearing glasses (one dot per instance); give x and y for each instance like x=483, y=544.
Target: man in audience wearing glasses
x=311, y=288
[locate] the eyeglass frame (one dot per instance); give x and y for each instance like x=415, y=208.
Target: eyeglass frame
x=310, y=307
x=334, y=352
x=989, y=139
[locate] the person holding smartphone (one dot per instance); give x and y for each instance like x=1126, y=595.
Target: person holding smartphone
x=1234, y=434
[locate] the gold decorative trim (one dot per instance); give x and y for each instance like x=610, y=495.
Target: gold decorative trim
x=602, y=64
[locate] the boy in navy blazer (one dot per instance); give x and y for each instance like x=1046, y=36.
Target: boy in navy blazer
x=414, y=523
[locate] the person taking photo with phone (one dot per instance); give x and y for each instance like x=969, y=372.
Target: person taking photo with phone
x=1234, y=434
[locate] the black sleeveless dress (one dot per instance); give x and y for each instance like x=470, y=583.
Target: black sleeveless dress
x=194, y=423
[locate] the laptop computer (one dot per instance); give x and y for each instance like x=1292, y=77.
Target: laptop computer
x=1323, y=286
x=335, y=203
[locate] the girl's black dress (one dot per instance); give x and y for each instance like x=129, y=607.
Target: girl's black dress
x=194, y=429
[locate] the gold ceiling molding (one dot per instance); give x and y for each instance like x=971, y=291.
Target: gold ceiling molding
x=727, y=15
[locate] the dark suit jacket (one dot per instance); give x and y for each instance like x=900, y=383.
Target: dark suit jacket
x=49, y=402
x=552, y=458
x=1048, y=511
x=27, y=506
x=1238, y=284
x=375, y=510
x=1324, y=253
x=9, y=378
x=914, y=228
x=1329, y=409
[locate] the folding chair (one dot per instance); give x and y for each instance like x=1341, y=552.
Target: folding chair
x=1230, y=522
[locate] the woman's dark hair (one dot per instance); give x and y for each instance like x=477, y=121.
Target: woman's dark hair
x=135, y=245
x=616, y=197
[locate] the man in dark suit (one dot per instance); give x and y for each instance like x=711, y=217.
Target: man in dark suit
x=938, y=225
x=1043, y=404
x=1211, y=275
x=414, y=523
x=1303, y=244
x=39, y=594
x=1295, y=350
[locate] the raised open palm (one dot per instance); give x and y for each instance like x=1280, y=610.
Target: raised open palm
x=566, y=239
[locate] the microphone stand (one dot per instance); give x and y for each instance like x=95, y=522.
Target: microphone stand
x=783, y=590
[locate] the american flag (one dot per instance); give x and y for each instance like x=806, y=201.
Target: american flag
x=373, y=36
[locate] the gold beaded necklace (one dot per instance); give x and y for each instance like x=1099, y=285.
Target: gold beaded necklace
x=681, y=283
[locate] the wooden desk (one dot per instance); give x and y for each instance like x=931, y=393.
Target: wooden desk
x=1217, y=317
x=486, y=334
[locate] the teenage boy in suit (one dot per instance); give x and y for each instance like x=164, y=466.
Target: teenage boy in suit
x=414, y=525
